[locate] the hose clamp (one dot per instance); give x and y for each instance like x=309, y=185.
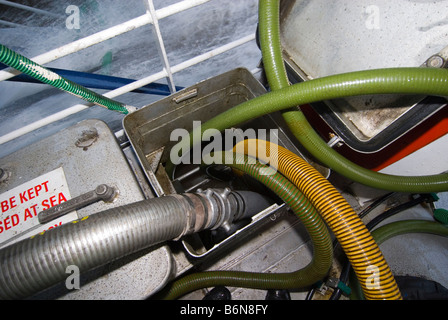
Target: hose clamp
x=221, y=207
x=190, y=214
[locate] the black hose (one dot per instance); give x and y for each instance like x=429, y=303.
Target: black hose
x=393, y=211
x=253, y=204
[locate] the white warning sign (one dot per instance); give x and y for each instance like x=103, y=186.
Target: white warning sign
x=20, y=206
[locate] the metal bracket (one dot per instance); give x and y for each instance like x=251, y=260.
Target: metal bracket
x=102, y=192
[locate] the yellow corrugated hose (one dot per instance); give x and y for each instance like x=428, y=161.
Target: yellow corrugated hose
x=372, y=270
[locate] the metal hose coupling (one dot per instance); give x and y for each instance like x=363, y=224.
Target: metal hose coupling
x=35, y=264
x=226, y=206
x=223, y=206
x=211, y=209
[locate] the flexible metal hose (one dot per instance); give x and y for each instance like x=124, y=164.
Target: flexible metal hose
x=35, y=264
x=32, y=69
x=353, y=236
x=322, y=244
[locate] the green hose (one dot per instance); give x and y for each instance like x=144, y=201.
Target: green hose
x=299, y=204
x=270, y=44
x=397, y=228
x=394, y=81
x=425, y=81
x=383, y=81
x=32, y=69
x=412, y=184
x=398, y=80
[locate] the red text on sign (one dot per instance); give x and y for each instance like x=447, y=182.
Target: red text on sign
x=31, y=211
x=24, y=196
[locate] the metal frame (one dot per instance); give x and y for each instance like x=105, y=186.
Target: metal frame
x=152, y=17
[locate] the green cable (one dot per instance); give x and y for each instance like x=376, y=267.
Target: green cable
x=316, y=270
x=32, y=69
x=397, y=228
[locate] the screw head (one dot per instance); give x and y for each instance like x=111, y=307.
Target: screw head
x=101, y=189
x=435, y=62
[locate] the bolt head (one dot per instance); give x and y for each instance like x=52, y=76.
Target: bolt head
x=435, y=62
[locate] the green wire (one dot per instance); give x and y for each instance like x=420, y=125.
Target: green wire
x=32, y=69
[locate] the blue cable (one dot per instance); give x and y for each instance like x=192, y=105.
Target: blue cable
x=97, y=81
